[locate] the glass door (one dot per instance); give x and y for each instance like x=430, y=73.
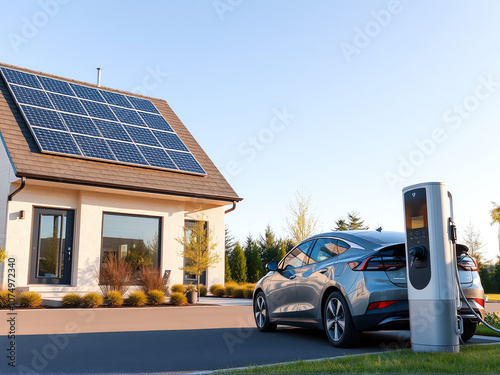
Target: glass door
x=52, y=246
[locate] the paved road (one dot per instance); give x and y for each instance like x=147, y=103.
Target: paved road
x=225, y=337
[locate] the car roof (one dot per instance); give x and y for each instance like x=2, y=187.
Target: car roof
x=370, y=239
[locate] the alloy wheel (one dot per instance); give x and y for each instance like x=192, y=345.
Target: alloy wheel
x=335, y=319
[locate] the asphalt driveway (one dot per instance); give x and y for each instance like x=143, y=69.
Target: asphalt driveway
x=185, y=339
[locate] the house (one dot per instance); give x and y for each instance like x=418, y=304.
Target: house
x=86, y=172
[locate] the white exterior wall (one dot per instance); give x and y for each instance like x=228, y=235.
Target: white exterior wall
x=6, y=177
x=89, y=206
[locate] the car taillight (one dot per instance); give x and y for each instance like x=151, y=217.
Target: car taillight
x=380, y=305
x=467, y=263
x=479, y=301
x=377, y=263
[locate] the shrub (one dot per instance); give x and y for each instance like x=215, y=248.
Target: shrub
x=137, y=299
x=492, y=319
x=177, y=288
x=248, y=293
x=219, y=291
x=238, y=292
x=151, y=279
x=71, y=300
x=215, y=286
x=249, y=286
x=230, y=287
x=30, y=299
x=113, y=298
x=114, y=274
x=6, y=298
x=177, y=299
x=3, y=255
x=203, y=290
x=156, y=297
x=92, y=299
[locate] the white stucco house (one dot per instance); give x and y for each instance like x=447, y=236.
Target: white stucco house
x=86, y=172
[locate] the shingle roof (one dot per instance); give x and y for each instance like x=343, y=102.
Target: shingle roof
x=29, y=162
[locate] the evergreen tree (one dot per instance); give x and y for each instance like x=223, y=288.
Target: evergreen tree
x=254, y=264
x=228, y=241
x=227, y=269
x=353, y=222
x=238, y=264
x=269, y=246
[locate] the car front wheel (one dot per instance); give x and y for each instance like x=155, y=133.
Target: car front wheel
x=261, y=314
x=338, y=323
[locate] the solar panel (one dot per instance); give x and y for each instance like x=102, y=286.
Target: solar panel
x=81, y=121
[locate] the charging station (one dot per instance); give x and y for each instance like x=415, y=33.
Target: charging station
x=431, y=268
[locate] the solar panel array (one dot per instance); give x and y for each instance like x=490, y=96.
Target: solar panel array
x=70, y=119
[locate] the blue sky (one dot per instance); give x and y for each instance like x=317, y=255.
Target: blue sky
x=350, y=101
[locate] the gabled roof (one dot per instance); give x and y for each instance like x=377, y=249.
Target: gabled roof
x=29, y=162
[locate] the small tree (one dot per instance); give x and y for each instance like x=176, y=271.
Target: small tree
x=227, y=269
x=199, y=250
x=495, y=218
x=238, y=265
x=353, y=222
x=302, y=222
x=474, y=241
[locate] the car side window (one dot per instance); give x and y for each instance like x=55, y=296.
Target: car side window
x=325, y=248
x=342, y=247
x=297, y=257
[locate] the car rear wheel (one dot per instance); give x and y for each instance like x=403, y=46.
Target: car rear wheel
x=469, y=329
x=338, y=323
x=261, y=314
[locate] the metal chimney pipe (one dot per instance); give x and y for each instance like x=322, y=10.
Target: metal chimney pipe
x=99, y=77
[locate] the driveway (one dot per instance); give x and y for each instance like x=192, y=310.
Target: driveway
x=164, y=339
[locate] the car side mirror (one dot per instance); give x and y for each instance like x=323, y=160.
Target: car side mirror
x=272, y=266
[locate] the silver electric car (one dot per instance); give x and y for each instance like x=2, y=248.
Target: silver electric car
x=349, y=282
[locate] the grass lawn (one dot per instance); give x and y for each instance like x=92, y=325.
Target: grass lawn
x=474, y=359
x=485, y=331
x=493, y=297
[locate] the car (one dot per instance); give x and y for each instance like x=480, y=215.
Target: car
x=348, y=282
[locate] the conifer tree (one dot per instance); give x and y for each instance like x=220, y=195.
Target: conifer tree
x=238, y=264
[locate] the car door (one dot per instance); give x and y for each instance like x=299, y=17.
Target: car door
x=314, y=277
x=280, y=291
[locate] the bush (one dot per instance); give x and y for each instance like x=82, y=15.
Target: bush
x=230, y=287
x=177, y=298
x=203, y=290
x=71, y=300
x=30, y=299
x=92, y=299
x=248, y=293
x=177, y=288
x=6, y=298
x=115, y=274
x=113, y=298
x=219, y=291
x=215, y=286
x=3, y=255
x=152, y=279
x=137, y=299
x=238, y=292
x=493, y=319
x=156, y=297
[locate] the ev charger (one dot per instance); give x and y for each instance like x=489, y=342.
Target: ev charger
x=431, y=268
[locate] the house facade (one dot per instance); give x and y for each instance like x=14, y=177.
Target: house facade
x=64, y=210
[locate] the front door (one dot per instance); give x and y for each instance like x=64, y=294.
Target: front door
x=52, y=246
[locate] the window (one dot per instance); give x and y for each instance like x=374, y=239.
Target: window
x=326, y=248
x=189, y=277
x=133, y=238
x=297, y=257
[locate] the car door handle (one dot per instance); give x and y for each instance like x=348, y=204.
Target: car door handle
x=323, y=270
x=293, y=277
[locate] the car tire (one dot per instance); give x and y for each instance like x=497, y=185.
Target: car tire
x=261, y=314
x=469, y=330
x=338, y=323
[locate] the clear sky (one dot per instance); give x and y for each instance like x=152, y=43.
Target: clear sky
x=350, y=101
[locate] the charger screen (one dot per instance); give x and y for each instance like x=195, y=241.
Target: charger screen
x=417, y=222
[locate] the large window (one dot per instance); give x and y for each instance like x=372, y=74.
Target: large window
x=133, y=238
x=189, y=277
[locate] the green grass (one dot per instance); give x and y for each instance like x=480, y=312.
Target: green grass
x=485, y=331
x=472, y=359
